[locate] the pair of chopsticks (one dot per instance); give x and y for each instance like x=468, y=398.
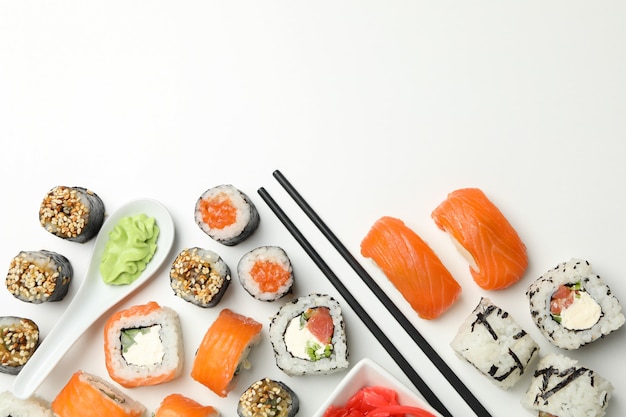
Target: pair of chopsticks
x=404, y=365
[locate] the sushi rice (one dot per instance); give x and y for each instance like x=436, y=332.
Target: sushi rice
x=12, y=406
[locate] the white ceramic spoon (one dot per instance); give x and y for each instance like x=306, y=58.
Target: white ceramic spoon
x=94, y=297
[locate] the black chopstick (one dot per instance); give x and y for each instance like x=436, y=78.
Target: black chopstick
x=404, y=365
x=428, y=350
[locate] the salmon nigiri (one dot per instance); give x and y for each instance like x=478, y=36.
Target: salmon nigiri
x=224, y=350
x=412, y=266
x=496, y=253
x=177, y=405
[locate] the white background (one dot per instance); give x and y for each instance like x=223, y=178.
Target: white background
x=369, y=108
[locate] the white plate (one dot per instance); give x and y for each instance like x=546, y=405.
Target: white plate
x=367, y=373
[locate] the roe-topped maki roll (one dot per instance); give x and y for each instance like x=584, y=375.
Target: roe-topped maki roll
x=572, y=306
x=308, y=336
x=199, y=276
x=226, y=214
x=19, y=340
x=39, y=276
x=72, y=213
x=266, y=273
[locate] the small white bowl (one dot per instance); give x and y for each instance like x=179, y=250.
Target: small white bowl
x=366, y=373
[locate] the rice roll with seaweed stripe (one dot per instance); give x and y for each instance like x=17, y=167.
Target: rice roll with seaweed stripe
x=143, y=345
x=268, y=397
x=199, y=276
x=226, y=214
x=72, y=213
x=562, y=387
x=39, y=276
x=308, y=336
x=20, y=339
x=492, y=341
x=266, y=273
x=572, y=306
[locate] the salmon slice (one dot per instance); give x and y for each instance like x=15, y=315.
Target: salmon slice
x=177, y=405
x=224, y=350
x=412, y=266
x=496, y=254
x=87, y=395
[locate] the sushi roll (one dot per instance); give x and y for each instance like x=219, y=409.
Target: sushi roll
x=492, y=341
x=143, y=345
x=561, y=387
x=496, y=254
x=39, y=276
x=199, y=276
x=226, y=214
x=224, y=350
x=12, y=406
x=266, y=273
x=412, y=267
x=72, y=213
x=572, y=306
x=88, y=395
x=268, y=397
x=177, y=405
x=20, y=339
x=308, y=336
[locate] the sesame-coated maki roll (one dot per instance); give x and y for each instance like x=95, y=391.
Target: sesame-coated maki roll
x=266, y=273
x=19, y=340
x=72, y=213
x=572, y=306
x=226, y=214
x=39, y=276
x=268, y=397
x=199, y=276
x=12, y=406
x=561, y=387
x=143, y=345
x=492, y=341
x=308, y=336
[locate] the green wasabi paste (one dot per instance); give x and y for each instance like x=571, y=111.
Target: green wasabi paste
x=130, y=247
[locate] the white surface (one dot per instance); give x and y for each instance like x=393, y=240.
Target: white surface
x=367, y=373
x=369, y=108
x=94, y=297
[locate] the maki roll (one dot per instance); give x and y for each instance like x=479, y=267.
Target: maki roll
x=492, y=341
x=561, y=387
x=143, y=345
x=72, y=213
x=177, y=405
x=39, y=276
x=224, y=350
x=572, y=306
x=226, y=214
x=308, y=336
x=267, y=397
x=199, y=276
x=12, y=406
x=20, y=338
x=87, y=395
x=266, y=273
